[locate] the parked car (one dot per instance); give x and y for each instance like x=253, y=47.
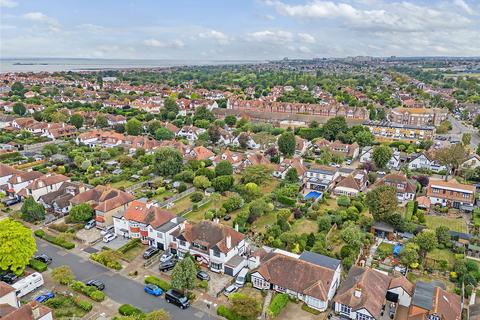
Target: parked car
x=392, y=310
x=10, y=201
x=96, y=283
x=167, y=265
x=8, y=277
x=177, y=298
x=45, y=297
x=166, y=256
x=348, y=162
x=230, y=289
x=241, y=277
x=202, y=275
x=150, y=252
x=109, y=237
x=153, y=290
x=107, y=230
x=90, y=224
x=227, y=217
x=43, y=258
x=381, y=173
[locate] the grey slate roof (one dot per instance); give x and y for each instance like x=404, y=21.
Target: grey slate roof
x=320, y=260
x=423, y=295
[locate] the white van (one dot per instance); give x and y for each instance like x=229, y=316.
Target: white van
x=28, y=284
x=241, y=277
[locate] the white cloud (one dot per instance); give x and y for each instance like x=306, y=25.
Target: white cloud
x=280, y=37
x=41, y=18
x=307, y=38
x=464, y=6
x=218, y=36
x=176, y=44
x=8, y=4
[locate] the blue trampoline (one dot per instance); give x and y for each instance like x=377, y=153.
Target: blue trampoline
x=313, y=195
x=397, y=249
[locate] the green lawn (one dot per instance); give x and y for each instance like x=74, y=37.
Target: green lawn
x=429, y=278
x=442, y=254
x=161, y=197
x=123, y=183
x=266, y=220
x=453, y=224
x=305, y=226
x=181, y=205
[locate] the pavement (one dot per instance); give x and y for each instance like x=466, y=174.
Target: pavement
x=118, y=288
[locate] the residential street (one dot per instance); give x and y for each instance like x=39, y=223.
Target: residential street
x=117, y=287
x=458, y=129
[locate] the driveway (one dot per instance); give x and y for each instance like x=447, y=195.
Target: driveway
x=88, y=236
x=117, y=287
x=114, y=244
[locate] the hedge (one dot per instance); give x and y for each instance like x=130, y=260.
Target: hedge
x=286, y=200
x=107, y=258
x=409, y=210
x=38, y=265
x=129, y=246
x=129, y=310
x=83, y=304
x=164, y=285
x=279, y=302
x=227, y=313
x=309, y=309
x=89, y=291
x=55, y=240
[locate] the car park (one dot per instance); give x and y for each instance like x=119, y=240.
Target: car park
x=166, y=256
x=8, y=277
x=177, y=298
x=43, y=258
x=107, y=230
x=167, y=265
x=109, y=237
x=151, y=251
x=90, y=224
x=153, y=290
x=230, y=289
x=202, y=275
x=45, y=297
x=96, y=283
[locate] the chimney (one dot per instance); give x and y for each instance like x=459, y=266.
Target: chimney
x=228, y=240
x=358, y=293
x=35, y=310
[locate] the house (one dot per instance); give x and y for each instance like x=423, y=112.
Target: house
x=406, y=189
x=309, y=277
x=6, y=172
x=426, y=162
x=245, y=138
x=22, y=179
x=201, y=153
x=320, y=177
x=105, y=201
x=59, y=201
x=225, y=138
x=352, y=184
x=367, y=156
x=346, y=150
x=430, y=302
x=214, y=245
x=43, y=185
x=286, y=164
x=451, y=194
x=190, y=133
x=144, y=220
x=234, y=158
x=11, y=308
x=255, y=159
x=301, y=145
x=364, y=292
x=472, y=162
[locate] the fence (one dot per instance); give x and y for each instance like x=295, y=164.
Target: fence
x=150, y=261
x=140, y=184
x=199, y=204
x=177, y=197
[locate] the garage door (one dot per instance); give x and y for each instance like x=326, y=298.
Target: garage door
x=229, y=271
x=160, y=246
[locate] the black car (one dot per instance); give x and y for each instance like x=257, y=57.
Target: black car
x=150, y=252
x=8, y=277
x=177, y=298
x=97, y=284
x=168, y=265
x=202, y=275
x=43, y=258
x=227, y=217
x=10, y=202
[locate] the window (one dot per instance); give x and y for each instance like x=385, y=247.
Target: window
x=361, y=316
x=182, y=243
x=345, y=309
x=216, y=266
x=216, y=253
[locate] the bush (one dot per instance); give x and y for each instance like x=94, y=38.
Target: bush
x=85, y=305
x=89, y=291
x=203, y=284
x=164, y=285
x=129, y=310
x=97, y=295
x=108, y=258
x=129, y=246
x=59, y=241
x=409, y=211
x=279, y=302
x=225, y=312
x=196, y=197
x=343, y=201
x=38, y=265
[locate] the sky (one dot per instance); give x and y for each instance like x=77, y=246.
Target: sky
x=237, y=29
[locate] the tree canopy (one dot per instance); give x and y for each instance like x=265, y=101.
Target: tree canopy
x=17, y=246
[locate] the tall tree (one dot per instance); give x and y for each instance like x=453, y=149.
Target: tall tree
x=19, y=108
x=17, y=246
x=164, y=134
x=77, y=120
x=167, y=161
x=223, y=168
x=134, y=127
x=333, y=127
x=451, y=157
x=426, y=240
x=184, y=274
x=81, y=212
x=381, y=155
x=32, y=211
x=382, y=201
x=286, y=143
x=101, y=121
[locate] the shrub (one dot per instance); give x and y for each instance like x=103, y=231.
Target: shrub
x=85, y=305
x=311, y=310
x=108, y=258
x=164, y=285
x=225, y=312
x=97, y=295
x=40, y=233
x=203, y=284
x=37, y=265
x=89, y=291
x=196, y=197
x=129, y=310
x=343, y=201
x=279, y=302
x=78, y=286
x=129, y=245
x=59, y=241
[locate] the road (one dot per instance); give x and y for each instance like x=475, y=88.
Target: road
x=458, y=129
x=117, y=287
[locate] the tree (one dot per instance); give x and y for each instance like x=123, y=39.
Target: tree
x=101, y=121
x=224, y=168
x=184, y=274
x=157, y=315
x=291, y=176
x=244, y=306
x=257, y=174
x=443, y=237
x=201, y=182
x=243, y=139
x=426, y=240
x=134, y=127
x=17, y=246
x=81, y=213
x=63, y=275
x=423, y=180
x=382, y=201
x=364, y=138
x=202, y=113
x=466, y=139
x=17, y=89
x=214, y=133
x=77, y=120
x=32, y=211
x=409, y=253
x=49, y=149
x=170, y=106
x=286, y=143
x=167, y=161
x=451, y=157
x=223, y=183
x=164, y=134
x=230, y=120
x=333, y=127
x=19, y=108
x=381, y=155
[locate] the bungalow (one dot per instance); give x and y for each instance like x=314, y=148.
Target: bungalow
x=352, y=184
x=472, y=162
x=201, y=153
x=255, y=159
x=426, y=162
x=214, y=245
x=144, y=220
x=406, y=189
x=309, y=277
x=43, y=185
x=106, y=202
x=234, y=158
x=346, y=150
x=6, y=172
x=451, y=194
x=301, y=145
x=430, y=302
